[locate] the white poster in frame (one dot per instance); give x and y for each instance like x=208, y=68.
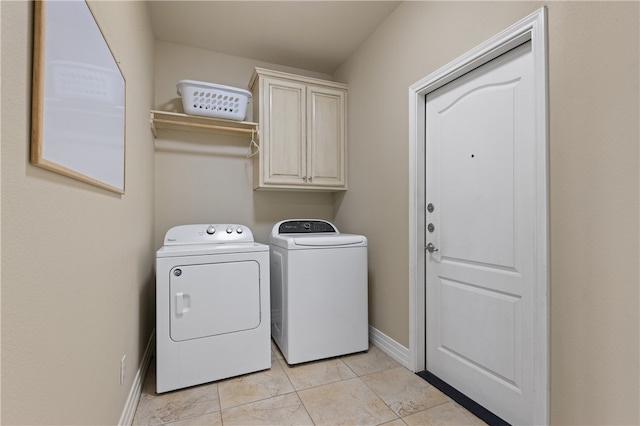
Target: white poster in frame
x=78, y=104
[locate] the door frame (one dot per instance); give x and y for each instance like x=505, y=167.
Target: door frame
x=532, y=28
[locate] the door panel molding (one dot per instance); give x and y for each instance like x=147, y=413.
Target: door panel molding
x=531, y=28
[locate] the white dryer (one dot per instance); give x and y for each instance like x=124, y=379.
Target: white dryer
x=212, y=313
x=319, y=306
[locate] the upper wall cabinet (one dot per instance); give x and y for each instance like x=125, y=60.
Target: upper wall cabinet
x=302, y=124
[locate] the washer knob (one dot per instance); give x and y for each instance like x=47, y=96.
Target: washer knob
x=229, y=230
x=211, y=230
x=239, y=230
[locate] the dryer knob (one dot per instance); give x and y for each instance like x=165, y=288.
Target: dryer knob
x=211, y=230
x=239, y=230
x=229, y=230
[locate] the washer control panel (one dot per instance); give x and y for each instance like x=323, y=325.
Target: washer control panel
x=208, y=234
x=312, y=226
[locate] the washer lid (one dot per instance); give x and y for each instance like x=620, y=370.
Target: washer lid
x=316, y=241
x=332, y=240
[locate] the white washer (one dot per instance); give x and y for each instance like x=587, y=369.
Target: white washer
x=212, y=313
x=318, y=290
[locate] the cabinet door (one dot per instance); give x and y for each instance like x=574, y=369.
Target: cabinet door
x=326, y=109
x=284, y=130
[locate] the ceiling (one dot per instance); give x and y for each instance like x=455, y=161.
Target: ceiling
x=312, y=35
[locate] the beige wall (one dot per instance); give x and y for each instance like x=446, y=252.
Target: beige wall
x=77, y=261
x=594, y=182
x=594, y=91
x=206, y=178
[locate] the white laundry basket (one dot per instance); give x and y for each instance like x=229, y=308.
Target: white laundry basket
x=213, y=100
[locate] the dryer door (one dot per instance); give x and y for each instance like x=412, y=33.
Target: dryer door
x=214, y=298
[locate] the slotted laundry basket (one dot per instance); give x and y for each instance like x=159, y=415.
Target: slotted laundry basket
x=213, y=100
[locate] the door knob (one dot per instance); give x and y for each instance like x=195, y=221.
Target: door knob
x=431, y=248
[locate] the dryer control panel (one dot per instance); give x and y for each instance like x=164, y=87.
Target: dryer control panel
x=312, y=226
x=208, y=234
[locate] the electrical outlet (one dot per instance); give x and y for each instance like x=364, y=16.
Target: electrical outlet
x=123, y=368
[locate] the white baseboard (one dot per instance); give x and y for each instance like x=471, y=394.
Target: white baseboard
x=389, y=346
x=129, y=411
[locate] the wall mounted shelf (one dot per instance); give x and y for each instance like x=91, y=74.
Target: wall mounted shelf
x=179, y=121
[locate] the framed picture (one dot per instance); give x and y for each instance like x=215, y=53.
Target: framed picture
x=78, y=105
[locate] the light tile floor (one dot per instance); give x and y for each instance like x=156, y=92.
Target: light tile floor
x=368, y=388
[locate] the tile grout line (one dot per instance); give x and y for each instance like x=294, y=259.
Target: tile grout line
x=400, y=417
x=339, y=358
x=357, y=376
x=257, y=400
x=342, y=363
x=376, y=394
x=280, y=361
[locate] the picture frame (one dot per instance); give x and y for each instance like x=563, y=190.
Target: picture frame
x=78, y=97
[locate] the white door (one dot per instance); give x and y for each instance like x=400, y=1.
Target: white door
x=480, y=181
